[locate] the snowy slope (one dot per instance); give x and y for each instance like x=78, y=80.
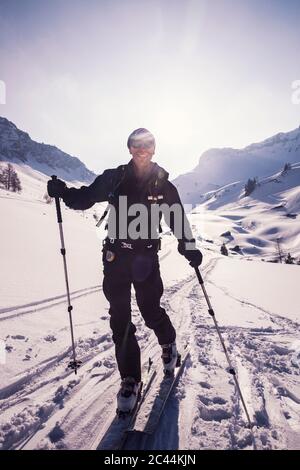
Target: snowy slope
x=33, y=182
x=44, y=405
x=255, y=223
x=17, y=147
x=219, y=167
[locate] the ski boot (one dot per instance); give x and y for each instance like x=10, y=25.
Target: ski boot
x=170, y=357
x=127, y=396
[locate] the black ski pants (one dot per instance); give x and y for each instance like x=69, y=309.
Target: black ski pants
x=140, y=269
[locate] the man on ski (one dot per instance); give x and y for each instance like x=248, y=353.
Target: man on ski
x=130, y=256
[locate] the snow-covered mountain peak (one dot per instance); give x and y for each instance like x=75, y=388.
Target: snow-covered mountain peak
x=219, y=167
x=292, y=137
x=16, y=146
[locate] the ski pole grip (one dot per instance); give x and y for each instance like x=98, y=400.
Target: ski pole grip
x=57, y=204
x=199, y=276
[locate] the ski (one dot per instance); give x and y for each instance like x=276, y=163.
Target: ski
x=134, y=415
x=146, y=412
x=150, y=420
x=113, y=437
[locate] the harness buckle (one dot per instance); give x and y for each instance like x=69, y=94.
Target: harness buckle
x=126, y=245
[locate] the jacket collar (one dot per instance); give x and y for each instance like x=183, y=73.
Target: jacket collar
x=156, y=173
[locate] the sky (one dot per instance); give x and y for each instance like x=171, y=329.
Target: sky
x=82, y=74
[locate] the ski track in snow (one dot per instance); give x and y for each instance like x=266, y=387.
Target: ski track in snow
x=210, y=415
x=56, y=379
x=260, y=361
x=278, y=320
x=49, y=407
x=39, y=305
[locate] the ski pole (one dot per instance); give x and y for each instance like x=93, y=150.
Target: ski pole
x=74, y=364
x=231, y=368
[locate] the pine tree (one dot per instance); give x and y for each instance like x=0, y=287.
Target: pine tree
x=224, y=250
x=9, y=179
x=286, y=167
x=250, y=186
x=289, y=259
x=2, y=177
x=15, y=183
x=7, y=176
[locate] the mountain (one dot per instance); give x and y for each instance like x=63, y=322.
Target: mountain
x=254, y=223
x=16, y=146
x=218, y=167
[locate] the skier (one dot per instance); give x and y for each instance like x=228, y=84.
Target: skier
x=133, y=260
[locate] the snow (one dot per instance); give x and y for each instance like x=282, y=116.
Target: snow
x=269, y=293
x=44, y=405
x=219, y=167
x=270, y=213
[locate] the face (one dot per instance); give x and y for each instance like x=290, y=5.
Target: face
x=142, y=155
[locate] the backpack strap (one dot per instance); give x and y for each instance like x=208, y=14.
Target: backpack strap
x=116, y=182
x=156, y=192
x=156, y=187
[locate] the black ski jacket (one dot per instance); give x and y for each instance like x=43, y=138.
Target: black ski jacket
x=155, y=188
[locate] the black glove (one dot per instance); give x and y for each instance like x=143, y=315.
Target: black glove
x=194, y=257
x=56, y=188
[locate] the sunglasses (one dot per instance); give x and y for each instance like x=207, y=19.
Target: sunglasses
x=142, y=144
